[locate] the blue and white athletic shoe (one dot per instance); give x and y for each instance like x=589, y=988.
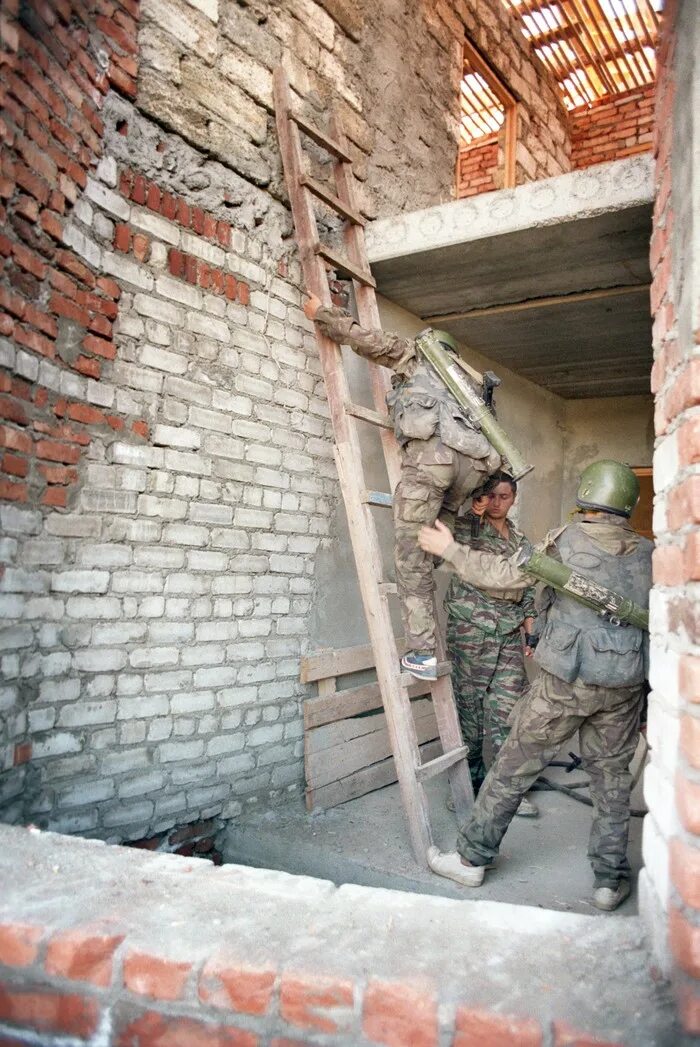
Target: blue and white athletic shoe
x=424, y=666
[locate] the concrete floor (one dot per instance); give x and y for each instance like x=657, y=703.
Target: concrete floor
x=543, y=861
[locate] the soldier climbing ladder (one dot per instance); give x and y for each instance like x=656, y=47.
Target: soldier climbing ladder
x=345, y=415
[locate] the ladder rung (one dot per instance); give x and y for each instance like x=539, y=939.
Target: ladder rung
x=322, y=139
x=378, y=498
x=365, y=414
x=440, y=763
x=342, y=265
x=319, y=190
x=443, y=669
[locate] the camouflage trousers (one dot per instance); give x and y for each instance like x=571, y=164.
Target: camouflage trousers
x=551, y=712
x=435, y=481
x=488, y=678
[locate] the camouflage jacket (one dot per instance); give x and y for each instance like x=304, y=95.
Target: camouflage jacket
x=419, y=403
x=495, y=611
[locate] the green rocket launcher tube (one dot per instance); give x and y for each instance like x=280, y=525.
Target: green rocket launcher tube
x=472, y=404
x=608, y=603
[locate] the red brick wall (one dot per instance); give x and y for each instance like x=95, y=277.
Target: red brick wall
x=613, y=129
x=477, y=168
x=160, y=950
x=57, y=64
x=675, y=673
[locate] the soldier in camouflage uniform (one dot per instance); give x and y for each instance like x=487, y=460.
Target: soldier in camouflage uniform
x=443, y=459
x=591, y=681
x=484, y=641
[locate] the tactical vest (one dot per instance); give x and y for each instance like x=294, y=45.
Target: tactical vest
x=422, y=407
x=577, y=643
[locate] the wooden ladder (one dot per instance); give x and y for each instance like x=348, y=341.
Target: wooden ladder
x=345, y=415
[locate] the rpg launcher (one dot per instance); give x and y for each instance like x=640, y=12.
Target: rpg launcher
x=611, y=605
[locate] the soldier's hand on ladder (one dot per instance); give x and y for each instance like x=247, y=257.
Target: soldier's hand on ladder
x=312, y=307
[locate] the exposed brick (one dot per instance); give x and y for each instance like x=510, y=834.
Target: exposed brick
x=685, y=872
x=223, y=233
x=153, y=197
x=13, y=465
x=689, y=442
x=87, y=366
x=48, y=1011
x=141, y=247
x=99, y=346
x=243, y=293
x=689, y=1008
x=684, y=940
x=155, y=976
x=566, y=1036
x=397, y=1013
x=198, y=220
x=138, y=190
x=13, y=492
x=141, y=429
x=157, y=1030
x=477, y=1028
x=53, y=451
x=84, y=954
x=236, y=987
x=57, y=474
x=316, y=1002
x=122, y=237
x=55, y=496
x=19, y=944
x=168, y=206
x=42, y=320
x=690, y=740
x=668, y=565
x=15, y=440
x=22, y=753
x=176, y=262
x=12, y=411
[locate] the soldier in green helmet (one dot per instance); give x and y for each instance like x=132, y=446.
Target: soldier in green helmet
x=444, y=457
x=591, y=679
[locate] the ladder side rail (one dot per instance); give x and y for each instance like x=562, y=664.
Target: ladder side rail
x=366, y=298
x=361, y=527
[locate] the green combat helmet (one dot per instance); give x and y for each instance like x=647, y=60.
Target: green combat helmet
x=608, y=486
x=446, y=339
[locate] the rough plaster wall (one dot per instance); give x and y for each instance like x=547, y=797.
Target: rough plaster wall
x=617, y=427
x=392, y=70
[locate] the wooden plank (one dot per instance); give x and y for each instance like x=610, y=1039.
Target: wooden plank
x=329, y=662
x=321, y=138
x=441, y=764
x=337, y=761
x=331, y=200
x=353, y=727
x=361, y=782
x=345, y=266
x=352, y=702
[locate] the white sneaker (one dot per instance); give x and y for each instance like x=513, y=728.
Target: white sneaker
x=608, y=898
x=527, y=809
x=450, y=865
